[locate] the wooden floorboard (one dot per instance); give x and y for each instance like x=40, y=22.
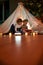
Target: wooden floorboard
x=21, y=50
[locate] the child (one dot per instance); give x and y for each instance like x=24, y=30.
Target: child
x=18, y=26
x=24, y=26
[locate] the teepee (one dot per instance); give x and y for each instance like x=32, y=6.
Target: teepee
x=20, y=12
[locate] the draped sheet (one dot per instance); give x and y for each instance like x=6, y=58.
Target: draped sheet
x=20, y=12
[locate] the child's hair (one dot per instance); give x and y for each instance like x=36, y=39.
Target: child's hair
x=25, y=20
x=19, y=20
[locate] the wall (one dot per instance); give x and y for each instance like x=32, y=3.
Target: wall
x=12, y=5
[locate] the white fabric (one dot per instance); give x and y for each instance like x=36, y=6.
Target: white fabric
x=17, y=26
x=22, y=13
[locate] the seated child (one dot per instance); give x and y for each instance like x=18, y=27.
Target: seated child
x=18, y=26
x=24, y=26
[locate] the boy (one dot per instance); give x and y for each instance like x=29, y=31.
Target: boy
x=24, y=26
x=18, y=25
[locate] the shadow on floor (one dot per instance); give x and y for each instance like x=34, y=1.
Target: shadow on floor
x=3, y=63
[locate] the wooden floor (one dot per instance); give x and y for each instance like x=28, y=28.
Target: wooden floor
x=21, y=50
